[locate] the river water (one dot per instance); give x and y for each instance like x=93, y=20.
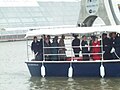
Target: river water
x=14, y=74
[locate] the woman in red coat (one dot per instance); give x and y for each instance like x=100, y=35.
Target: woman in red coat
x=96, y=49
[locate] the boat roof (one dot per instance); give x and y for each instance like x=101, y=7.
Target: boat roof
x=70, y=30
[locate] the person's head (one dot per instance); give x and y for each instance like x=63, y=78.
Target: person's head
x=35, y=39
x=55, y=39
x=48, y=36
x=96, y=39
x=63, y=36
x=93, y=38
x=84, y=37
x=104, y=35
x=113, y=34
x=75, y=35
x=43, y=37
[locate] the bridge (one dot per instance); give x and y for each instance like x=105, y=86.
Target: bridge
x=107, y=10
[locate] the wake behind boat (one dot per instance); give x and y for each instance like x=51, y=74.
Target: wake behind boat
x=74, y=65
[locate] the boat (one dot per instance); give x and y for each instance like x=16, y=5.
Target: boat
x=73, y=68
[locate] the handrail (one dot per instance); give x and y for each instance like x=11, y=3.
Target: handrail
x=76, y=54
x=97, y=61
x=73, y=46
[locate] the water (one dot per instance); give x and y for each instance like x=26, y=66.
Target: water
x=14, y=74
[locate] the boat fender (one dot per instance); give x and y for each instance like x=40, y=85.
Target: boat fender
x=70, y=71
x=102, y=71
x=43, y=70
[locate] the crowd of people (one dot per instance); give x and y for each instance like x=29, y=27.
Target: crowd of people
x=52, y=51
x=111, y=46
x=107, y=48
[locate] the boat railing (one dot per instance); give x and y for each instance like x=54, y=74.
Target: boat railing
x=70, y=50
x=73, y=46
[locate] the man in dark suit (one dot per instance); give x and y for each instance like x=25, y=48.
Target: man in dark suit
x=106, y=47
x=85, y=51
x=116, y=45
x=76, y=45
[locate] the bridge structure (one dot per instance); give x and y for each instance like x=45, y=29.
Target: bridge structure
x=107, y=10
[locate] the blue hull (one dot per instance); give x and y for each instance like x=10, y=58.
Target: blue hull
x=80, y=69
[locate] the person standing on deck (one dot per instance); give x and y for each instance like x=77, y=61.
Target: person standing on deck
x=35, y=47
x=76, y=45
x=41, y=45
x=90, y=45
x=47, y=49
x=62, y=49
x=106, y=47
x=54, y=49
x=96, y=49
x=116, y=45
x=85, y=52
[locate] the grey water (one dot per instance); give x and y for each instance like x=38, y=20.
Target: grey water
x=14, y=74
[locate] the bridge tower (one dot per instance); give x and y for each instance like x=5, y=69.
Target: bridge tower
x=92, y=9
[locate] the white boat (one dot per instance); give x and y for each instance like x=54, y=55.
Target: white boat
x=73, y=68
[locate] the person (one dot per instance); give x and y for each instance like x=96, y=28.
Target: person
x=62, y=49
x=116, y=45
x=41, y=45
x=96, y=49
x=47, y=49
x=106, y=47
x=55, y=49
x=85, y=52
x=76, y=45
x=90, y=45
x=35, y=47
